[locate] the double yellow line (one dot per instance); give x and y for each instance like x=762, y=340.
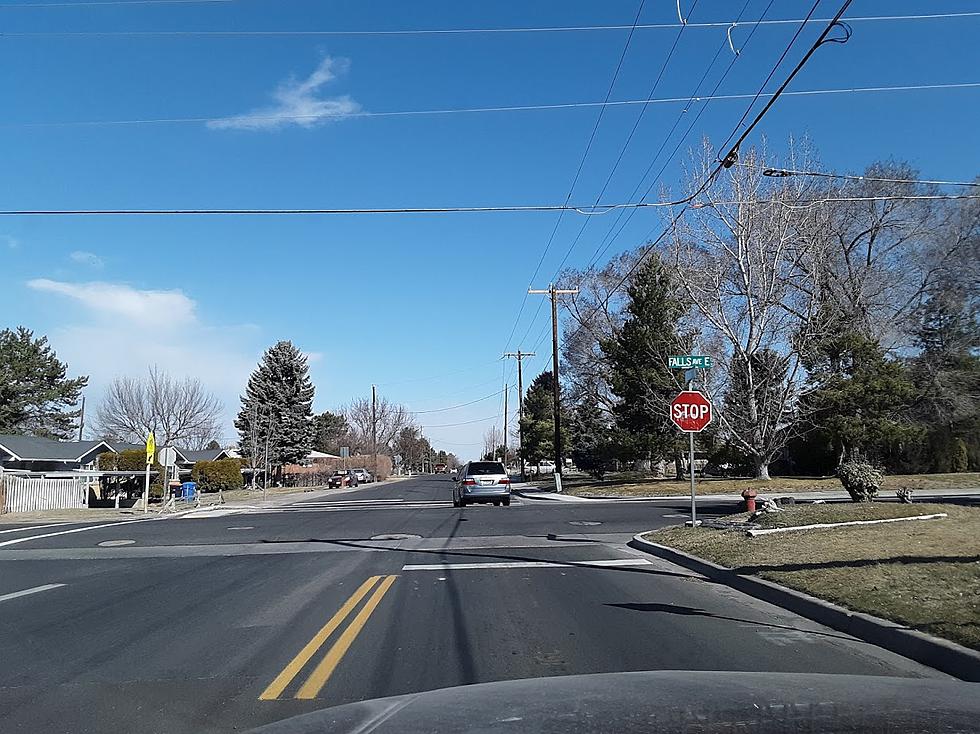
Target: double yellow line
x=325, y=668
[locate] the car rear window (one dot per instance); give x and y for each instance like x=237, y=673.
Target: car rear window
x=486, y=467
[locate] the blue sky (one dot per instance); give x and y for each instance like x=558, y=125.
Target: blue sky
x=421, y=305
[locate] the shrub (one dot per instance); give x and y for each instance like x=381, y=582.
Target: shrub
x=961, y=456
x=222, y=475
x=860, y=479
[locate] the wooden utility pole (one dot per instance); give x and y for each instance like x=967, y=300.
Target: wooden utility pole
x=506, y=390
x=374, y=426
x=519, y=356
x=81, y=419
x=556, y=391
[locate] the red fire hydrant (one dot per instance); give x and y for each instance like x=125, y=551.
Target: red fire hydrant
x=749, y=496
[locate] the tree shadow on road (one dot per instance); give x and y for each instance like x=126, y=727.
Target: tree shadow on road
x=694, y=612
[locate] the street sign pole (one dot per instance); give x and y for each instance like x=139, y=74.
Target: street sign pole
x=691, y=412
x=151, y=449
x=694, y=504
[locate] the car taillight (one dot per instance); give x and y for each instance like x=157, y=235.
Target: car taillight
x=504, y=481
x=469, y=482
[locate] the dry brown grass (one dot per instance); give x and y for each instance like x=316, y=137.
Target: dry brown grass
x=632, y=486
x=925, y=574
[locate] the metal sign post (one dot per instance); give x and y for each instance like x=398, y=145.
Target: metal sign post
x=151, y=449
x=691, y=411
x=167, y=458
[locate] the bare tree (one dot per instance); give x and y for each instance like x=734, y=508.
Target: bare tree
x=739, y=255
x=178, y=411
x=492, y=441
x=389, y=419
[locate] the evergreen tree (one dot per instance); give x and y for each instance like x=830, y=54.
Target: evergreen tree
x=277, y=408
x=35, y=395
x=859, y=397
x=330, y=430
x=640, y=376
x=593, y=438
x=947, y=375
x=538, y=424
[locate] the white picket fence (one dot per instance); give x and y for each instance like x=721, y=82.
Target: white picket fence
x=24, y=494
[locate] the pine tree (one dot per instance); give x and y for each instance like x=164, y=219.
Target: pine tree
x=593, y=439
x=35, y=395
x=330, y=430
x=538, y=424
x=277, y=408
x=638, y=355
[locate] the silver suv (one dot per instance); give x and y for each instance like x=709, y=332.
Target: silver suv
x=481, y=481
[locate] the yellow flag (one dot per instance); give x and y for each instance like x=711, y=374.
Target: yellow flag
x=151, y=448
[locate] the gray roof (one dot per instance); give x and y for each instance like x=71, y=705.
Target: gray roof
x=34, y=448
x=193, y=457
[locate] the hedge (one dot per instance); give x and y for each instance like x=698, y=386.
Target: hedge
x=222, y=475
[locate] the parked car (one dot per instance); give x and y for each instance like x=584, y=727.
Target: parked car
x=363, y=475
x=482, y=482
x=342, y=478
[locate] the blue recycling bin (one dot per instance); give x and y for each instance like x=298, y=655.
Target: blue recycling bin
x=188, y=490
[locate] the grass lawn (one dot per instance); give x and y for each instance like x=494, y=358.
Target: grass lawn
x=630, y=485
x=925, y=574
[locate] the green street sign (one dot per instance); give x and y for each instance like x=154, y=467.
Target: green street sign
x=689, y=361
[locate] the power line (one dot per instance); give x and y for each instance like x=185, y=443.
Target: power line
x=502, y=108
x=732, y=156
x=461, y=405
x=784, y=172
x=425, y=31
x=697, y=88
x=434, y=210
x=632, y=133
x=464, y=423
x=578, y=171
x=606, y=242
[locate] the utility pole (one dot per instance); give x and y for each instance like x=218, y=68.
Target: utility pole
x=519, y=356
x=374, y=426
x=556, y=391
x=506, y=390
x=81, y=419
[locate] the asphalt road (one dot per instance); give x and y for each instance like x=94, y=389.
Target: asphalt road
x=225, y=622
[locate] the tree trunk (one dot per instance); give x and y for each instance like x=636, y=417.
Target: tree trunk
x=761, y=468
x=679, y=463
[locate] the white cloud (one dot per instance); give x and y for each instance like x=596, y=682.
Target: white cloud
x=86, y=258
x=145, y=309
x=297, y=103
x=113, y=329
x=12, y=242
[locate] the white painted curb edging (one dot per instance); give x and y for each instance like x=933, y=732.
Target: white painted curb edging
x=818, y=526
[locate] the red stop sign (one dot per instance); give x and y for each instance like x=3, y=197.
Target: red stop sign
x=691, y=411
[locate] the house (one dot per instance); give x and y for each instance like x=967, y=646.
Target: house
x=39, y=455
x=36, y=455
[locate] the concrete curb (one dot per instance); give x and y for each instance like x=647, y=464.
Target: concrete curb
x=553, y=497
x=943, y=655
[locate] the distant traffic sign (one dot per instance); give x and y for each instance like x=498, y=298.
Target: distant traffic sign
x=691, y=411
x=687, y=361
x=167, y=456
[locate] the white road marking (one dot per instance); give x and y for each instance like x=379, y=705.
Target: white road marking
x=317, y=503
x=34, y=527
x=68, y=532
x=27, y=592
x=613, y=562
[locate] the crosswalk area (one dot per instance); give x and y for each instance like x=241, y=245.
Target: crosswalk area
x=387, y=504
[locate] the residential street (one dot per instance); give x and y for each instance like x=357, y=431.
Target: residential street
x=227, y=622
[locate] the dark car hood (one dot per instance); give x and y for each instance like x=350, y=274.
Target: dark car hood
x=663, y=701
